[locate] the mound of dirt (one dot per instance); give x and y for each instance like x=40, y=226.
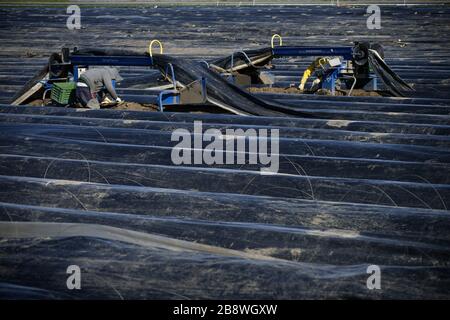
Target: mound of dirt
x=291, y=90
x=134, y=106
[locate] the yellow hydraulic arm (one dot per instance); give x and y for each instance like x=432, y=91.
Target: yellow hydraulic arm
x=319, y=62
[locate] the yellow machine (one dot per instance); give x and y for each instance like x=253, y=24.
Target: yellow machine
x=319, y=67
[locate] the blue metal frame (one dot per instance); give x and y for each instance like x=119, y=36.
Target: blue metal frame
x=168, y=97
x=172, y=72
x=345, y=52
x=75, y=73
x=171, y=97
x=111, y=60
x=329, y=81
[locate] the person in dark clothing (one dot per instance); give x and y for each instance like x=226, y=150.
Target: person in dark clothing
x=93, y=85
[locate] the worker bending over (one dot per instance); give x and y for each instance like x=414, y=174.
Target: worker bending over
x=94, y=84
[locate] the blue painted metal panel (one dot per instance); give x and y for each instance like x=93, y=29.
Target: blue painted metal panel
x=345, y=52
x=168, y=97
x=112, y=60
x=75, y=73
x=329, y=81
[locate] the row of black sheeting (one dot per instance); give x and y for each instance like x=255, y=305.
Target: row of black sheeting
x=98, y=189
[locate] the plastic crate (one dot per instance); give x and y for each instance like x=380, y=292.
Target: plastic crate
x=63, y=92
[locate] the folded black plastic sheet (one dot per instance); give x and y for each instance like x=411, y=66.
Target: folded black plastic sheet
x=222, y=92
x=396, y=85
x=97, y=189
x=240, y=59
x=26, y=89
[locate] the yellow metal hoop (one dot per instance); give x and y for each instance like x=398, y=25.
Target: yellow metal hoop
x=273, y=38
x=150, y=47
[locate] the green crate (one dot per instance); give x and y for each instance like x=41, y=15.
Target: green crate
x=63, y=92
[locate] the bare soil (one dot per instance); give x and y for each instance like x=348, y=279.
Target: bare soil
x=294, y=90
